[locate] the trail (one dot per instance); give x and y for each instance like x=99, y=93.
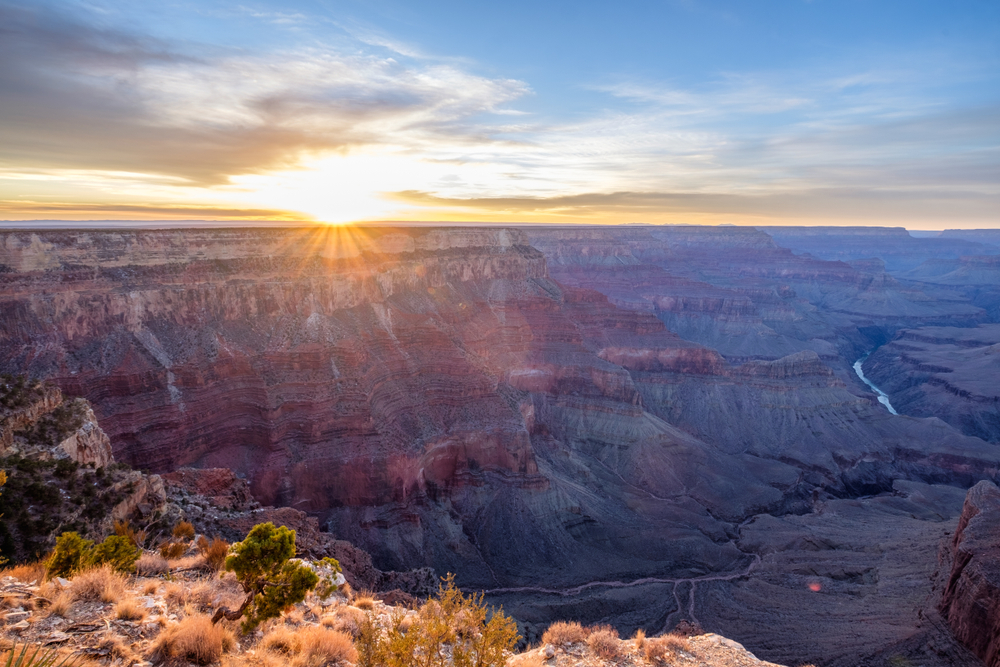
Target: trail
x=576, y=590
x=688, y=613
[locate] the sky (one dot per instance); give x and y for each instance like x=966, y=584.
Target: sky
x=772, y=112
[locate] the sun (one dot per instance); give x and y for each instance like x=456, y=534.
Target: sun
x=339, y=188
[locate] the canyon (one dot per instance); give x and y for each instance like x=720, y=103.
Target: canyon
x=635, y=425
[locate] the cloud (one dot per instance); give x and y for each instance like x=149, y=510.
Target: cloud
x=789, y=207
x=12, y=209
x=75, y=96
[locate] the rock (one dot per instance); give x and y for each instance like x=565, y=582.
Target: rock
x=970, y=601
x=548, y=651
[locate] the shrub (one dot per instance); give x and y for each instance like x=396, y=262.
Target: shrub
x=195, y=639
x=604, y=642
x=263, y=567
x=100, y=583
x=137, y=537
x=119, y=552
x=453, y=623
x=639, y=639
x=71, y=555
x=564, y=632
x=172, y=550
x=184, y=530
x=214, y=552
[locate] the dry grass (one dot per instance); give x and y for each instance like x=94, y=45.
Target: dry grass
x=61, y=604
x=605, y=643
x=527, y=660
x=324, y=647
x=214, y=552
x=99, y=583
x=660, y=648
x=119, y=651
x=129, y=609
x=150, y=587
x=564, y=632
x=29, y=573
x=347, y=620
x=188, y=563
x=175, y=594
x=173, y=550
x=311, y=646
x=194, y=639
x=150, y=565
x=203, y=594
x=639, y=639
x=364, y=600
x=280, y=639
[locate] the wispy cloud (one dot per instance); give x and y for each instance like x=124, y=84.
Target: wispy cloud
x=76, y=96
x=159, y=127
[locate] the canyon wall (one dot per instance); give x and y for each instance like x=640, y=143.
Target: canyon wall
x=536, y=410
x=971, y=598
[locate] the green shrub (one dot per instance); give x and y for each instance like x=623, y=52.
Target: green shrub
x=118, y=551
x=264, y=569
x=72, y=554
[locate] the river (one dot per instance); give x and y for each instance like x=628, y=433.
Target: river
x=883, y=398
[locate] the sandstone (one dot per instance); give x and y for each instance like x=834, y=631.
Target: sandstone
x=970, y=601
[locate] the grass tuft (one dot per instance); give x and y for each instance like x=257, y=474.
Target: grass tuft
x=99, y=583
x=564, y=632
x=604, y=642
x=194, y=639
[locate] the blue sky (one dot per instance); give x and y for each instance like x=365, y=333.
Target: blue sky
x=767, y=112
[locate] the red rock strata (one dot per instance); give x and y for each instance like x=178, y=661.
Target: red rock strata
x=971, y=600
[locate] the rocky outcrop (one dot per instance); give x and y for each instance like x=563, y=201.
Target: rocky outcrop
x=36, y=421
x=971, y=599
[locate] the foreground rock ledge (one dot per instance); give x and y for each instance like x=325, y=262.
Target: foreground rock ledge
x=971, y=601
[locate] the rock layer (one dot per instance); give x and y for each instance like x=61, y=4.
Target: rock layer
x=516, y=407
x=971, y=599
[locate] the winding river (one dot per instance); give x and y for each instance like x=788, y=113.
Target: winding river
x=883, y=398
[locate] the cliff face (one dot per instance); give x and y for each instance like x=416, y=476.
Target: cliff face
x=515, y=407
x=36, y=421
x=971, y=600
